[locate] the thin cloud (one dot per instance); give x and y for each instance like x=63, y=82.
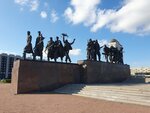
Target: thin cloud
x=75, y=52
x=46, y=5
x=8, y=52
x=34, y=4
x=21, y=2
x=43, y=14
x=31, y=4
x=54, y=16
x=103, y=42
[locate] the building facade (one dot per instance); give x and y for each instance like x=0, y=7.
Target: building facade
x=6, y=64
x=140, y=71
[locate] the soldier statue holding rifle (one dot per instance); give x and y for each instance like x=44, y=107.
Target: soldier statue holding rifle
x=38, y=49
x=50, y=49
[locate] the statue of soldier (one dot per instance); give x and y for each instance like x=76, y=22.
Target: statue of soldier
x=97, y=50
x=113, y=54
x=58, y=47
x=90, y=50
x=121, y=56
x=111, y=58
x=50, y=48
x=39, y=45
x=28, y=47
x=106, y=52
x=67, y=47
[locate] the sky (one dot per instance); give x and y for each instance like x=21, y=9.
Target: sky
x=128, y=21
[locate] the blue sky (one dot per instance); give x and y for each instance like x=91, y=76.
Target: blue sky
x=126, y=20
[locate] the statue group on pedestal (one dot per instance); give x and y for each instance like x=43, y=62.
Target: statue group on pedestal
x=112, y=54
x=55, y=48
x=93, y=50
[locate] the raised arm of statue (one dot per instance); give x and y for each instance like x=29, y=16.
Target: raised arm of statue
x=101, y=47
x=73, y=41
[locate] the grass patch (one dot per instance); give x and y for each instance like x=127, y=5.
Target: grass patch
x=5, y=81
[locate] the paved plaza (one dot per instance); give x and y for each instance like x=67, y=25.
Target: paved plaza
x=60, y=103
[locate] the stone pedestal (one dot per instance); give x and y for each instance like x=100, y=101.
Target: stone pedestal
x=102, y=72
x=28, y=76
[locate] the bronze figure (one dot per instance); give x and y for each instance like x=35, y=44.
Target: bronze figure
x=58, y=49
x=28, y=47
x=38, y=49
x=67, y=47
x=50, y=48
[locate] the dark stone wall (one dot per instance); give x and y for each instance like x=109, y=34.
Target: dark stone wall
x=28, y=76
x=102, y=72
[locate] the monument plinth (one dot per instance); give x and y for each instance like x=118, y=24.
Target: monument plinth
x=103, y=72
x=29, y=76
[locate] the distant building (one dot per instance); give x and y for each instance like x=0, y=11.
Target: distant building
x=140, y=71
x=6, y=64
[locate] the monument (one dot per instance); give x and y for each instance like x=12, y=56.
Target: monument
x=33, y=75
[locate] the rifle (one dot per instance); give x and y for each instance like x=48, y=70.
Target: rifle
x=47, y=48
x=39, y=42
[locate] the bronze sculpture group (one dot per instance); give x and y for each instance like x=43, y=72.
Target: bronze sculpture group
x=112, y=54
x=55, y=48
x=93, y=50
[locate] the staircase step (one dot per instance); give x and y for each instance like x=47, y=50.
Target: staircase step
x=135, y=94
